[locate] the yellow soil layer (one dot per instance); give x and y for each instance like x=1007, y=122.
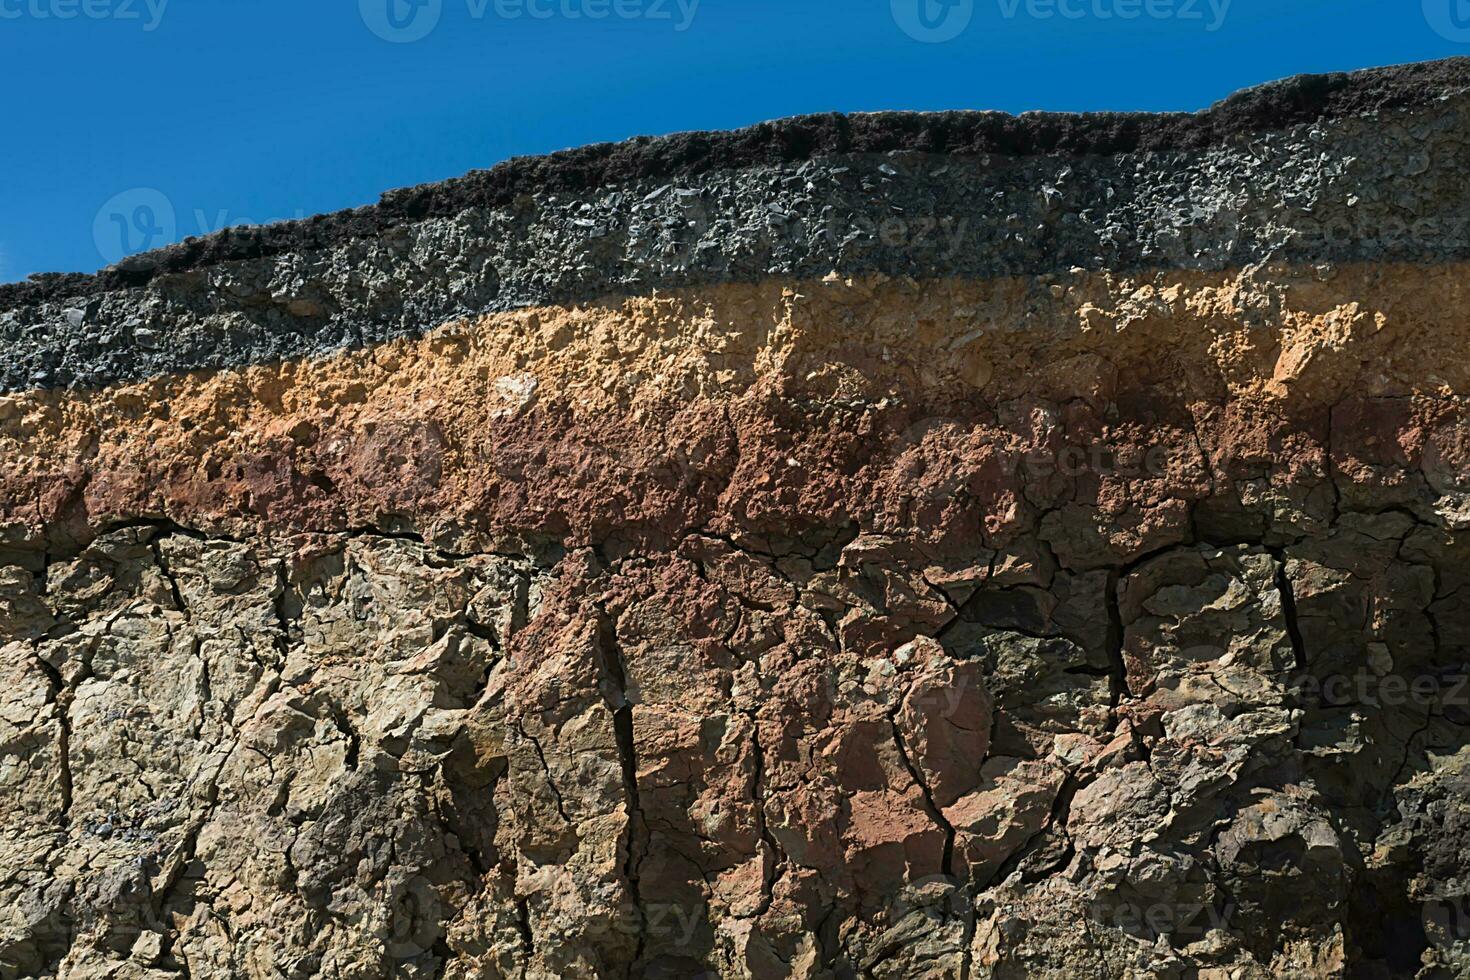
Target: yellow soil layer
x=1297, y=337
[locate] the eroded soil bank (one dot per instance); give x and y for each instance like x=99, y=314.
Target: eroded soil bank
x=692, y=571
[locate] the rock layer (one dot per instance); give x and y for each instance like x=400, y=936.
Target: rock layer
x=1033, y=547
x=951, y=194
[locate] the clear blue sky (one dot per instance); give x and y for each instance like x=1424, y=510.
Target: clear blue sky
x=255, y=110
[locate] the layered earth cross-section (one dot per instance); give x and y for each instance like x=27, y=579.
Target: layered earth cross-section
x=889, y=546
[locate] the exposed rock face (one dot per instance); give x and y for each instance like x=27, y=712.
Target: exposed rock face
x=934, y=547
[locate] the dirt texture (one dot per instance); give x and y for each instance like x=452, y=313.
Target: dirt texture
x=1062, y=621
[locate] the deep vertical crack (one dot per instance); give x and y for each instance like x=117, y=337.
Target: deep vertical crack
x=946, y=864
x=1204, y=455
x=60, y=698
x=1288, y=609
x=344, y=725
x=1117, y=666
x=546, y=770
x=161, y=560
x=1061, y=810
x=617, y=693
x=523, y=926
x=758, y=796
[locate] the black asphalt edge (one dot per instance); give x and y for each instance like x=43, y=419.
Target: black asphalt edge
x=1265, y=108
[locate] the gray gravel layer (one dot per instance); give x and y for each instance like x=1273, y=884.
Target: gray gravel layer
x=1388, y=185
x=1275, y=106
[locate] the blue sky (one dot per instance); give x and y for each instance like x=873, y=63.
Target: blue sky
x=131, y=122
